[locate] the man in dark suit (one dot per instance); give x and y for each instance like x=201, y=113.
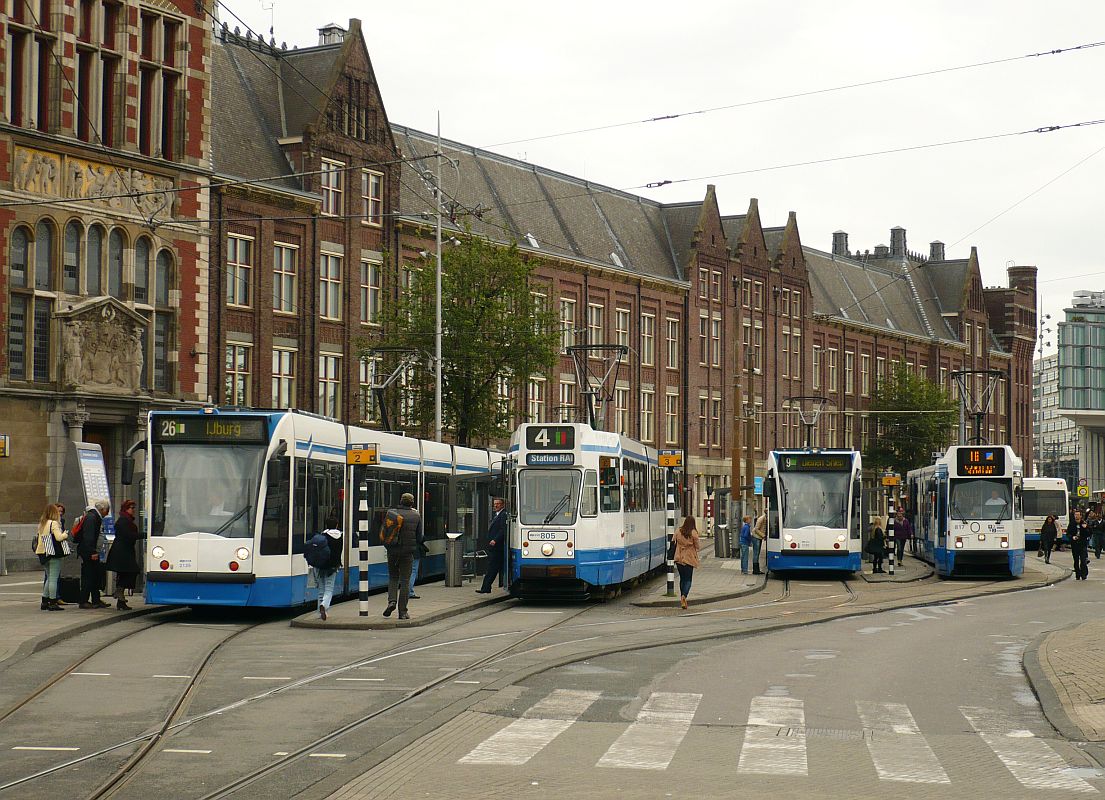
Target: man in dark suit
x=92, y=570
x=496, y=545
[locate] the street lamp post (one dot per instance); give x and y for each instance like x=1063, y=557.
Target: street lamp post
x=1040, y=344
x=437, y=317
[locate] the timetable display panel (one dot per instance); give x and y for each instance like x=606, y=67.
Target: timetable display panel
x=814, y=462
x=209, y=430
x=980, y=461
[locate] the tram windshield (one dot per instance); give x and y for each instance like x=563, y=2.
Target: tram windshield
x=815, y=498
x=205, y=488
x=981, y=498
x=1041, y=502
x=548, y=496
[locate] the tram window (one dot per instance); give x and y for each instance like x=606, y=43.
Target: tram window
x=318, y=494
x=978, y=498
x=385, y=487
x=274, y=523
x=610, y=490
x=434, y=507
x=589, y=505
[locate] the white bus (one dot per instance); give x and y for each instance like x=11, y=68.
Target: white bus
x=1044, y=496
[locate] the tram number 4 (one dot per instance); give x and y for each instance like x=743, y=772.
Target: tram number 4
x=551, y=437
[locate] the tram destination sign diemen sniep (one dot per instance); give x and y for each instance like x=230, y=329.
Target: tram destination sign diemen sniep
x=980, y=461
x=815, y=462
x=209, y=429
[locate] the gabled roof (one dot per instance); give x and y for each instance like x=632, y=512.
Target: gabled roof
x=548, y=211
x=947, y=282
x=301, y=72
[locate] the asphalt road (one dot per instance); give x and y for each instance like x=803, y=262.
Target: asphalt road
x=923, y=702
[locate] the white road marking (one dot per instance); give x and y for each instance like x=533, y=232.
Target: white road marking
x=182, y=750
x=22, y=594
x=536, y=612
x=281, y=753
x=326, y=755
x=765, y=752
x=172, y=676
x=20, y=583
x=799, y=675
x=651, y=741
x=49, y=749
x=524, y=738
x=266, y=678
x=367, y=680
x=1031, y=760
x=94, y=674
x=875, y=629
x=897, y=746
x=473, y=683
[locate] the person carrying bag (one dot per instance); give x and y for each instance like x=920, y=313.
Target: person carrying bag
x=51, y=546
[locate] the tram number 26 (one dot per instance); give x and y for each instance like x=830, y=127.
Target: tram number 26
x=550, y=437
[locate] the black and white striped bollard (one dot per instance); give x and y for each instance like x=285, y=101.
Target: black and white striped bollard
x=362, y=548
x=890, y=532
x=671, y=532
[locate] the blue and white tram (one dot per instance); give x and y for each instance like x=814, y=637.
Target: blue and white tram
x=966, y=510
x=587, y=509
x=815, y=510
x=232, y=496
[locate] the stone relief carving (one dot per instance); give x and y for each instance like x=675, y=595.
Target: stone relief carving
x=36, y=172
x=102, y=350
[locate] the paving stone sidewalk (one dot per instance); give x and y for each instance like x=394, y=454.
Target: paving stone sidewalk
x=715, y=579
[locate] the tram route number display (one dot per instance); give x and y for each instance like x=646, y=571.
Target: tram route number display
x=209, y=429
x=550, y=437
x=980, y=461
x=813, y=462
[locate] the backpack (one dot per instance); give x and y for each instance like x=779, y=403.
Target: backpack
x=75, y=531
x=393, y=524
x=317, y=551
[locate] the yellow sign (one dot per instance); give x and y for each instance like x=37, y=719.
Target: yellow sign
x=1083, y=491
x=891, y=480
x=5, y=445
x=362, y=454
x=671, y=458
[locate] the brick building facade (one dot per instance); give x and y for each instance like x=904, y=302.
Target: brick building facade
x=104, y=133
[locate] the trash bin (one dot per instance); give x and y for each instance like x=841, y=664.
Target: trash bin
x=454, y=559
x=723, y=548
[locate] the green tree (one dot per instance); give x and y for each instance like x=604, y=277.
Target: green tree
x=907, y=440
x=493, y=327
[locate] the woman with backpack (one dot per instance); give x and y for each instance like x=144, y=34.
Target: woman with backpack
x=121, y=558
x=51, y=547
x=323, y=553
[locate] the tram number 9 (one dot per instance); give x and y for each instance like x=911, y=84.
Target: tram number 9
x=550, y=437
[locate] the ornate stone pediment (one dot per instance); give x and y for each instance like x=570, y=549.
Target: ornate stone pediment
x=101, y=346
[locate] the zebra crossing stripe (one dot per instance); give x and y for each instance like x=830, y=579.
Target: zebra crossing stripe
x=651, y=741
x=765, y=750
x=524, y=738
x=1031, y=760
x=897, y=747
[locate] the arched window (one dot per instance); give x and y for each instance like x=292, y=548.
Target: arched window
x=18, y=257
x=94, y=268
x=44, y=255
x=142, y=270
x=71, y=263
x=164, y=278
x=115, y=264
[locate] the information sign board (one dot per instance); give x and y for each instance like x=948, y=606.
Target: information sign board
x=1083, y=491
x=671, y=458
x=550, y=437
x=362, y=454
x=5, y=445
x=209, y=429
x=980, y=461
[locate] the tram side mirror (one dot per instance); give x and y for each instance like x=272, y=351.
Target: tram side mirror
x=277, y=473
x=769, y=487
x=128, y=470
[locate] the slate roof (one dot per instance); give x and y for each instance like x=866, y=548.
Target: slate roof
x=549, y=211
x=946, y=281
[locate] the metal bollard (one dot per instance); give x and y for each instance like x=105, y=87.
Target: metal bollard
x=454, y=559
x=3, y=553
x=723, y=546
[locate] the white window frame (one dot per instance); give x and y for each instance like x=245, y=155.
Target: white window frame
x=372, y=197
x=372, y=272
x=648, y=411
x=671, y=417
x=329, y=287
x=567, y=322
x=284, y=296
x=648, y=339
x=330, y=186
x=283, y=377
x=237, y=377
x=239, y=273
x=329, y=384
x=673, y=343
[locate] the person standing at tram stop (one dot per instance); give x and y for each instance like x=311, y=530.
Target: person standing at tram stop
x=686, y=557
x=401, y=556
x=1048, y=533
x=1079, y=532
x=876, y=545
x=759, y=533
x=121, y=559
x=88, y=548
x=1097, y=532
x=50, y=552
x=903, y=532
x=745, y=542
x=496, y=545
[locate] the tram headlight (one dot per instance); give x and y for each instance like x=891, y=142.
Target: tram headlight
x=1004, y=542
x=787, y=537
x=525, y=552
x=158, y=551
x=840, y=537
x=242, y=553
x=958, y=543
x=982, y=537
x=547, y=549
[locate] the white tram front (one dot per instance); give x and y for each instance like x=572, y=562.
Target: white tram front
x=815, y=507
x=587, y=510
x=966, y=510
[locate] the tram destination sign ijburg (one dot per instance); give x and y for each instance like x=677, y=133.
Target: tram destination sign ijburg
x=209, y=429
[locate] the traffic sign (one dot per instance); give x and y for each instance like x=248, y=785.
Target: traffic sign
x=362, y=454
x=1083, y=491
x=891, y=480
x=671, y=458
x=758, y=482
x=1083, y=482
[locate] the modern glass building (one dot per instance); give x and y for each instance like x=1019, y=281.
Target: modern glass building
x=1082, y=382
x=1055, y=437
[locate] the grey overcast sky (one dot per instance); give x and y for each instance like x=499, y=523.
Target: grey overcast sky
x=503, y=70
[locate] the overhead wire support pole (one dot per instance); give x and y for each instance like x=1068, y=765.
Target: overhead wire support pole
x=437, y=318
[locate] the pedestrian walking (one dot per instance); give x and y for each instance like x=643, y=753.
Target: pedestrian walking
x=51, y=546
x=686, y=557
x=121, y=558
x=759, y=533
x=1079, y=532
x=323, y=554
x=746, y=543
x=401, y=555
x=903, y=532
x=496, y=545
x=419, y=551
x=876, y=546
x=1097, y=532
x=1048, y=533
x=88, y=548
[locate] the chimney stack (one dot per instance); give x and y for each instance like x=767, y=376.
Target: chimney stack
x=936, y=251
x=897, y=242
x=840, y=243
x=331, y=34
